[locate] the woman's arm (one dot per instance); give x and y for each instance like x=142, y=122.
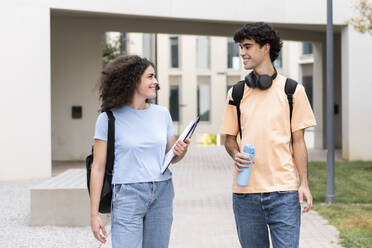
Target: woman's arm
x=179, y=150
x=96, y=181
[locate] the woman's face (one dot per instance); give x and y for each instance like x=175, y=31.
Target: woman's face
x=148, y=84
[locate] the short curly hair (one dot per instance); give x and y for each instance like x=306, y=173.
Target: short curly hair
x=119, y=80
x=263, y=34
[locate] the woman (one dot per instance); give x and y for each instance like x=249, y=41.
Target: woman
x=142, y=202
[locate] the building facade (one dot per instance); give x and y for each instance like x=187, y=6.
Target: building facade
x=51, y=47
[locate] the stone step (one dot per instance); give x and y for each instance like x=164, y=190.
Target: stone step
x=61, y=201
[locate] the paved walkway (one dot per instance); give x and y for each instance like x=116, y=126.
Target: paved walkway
x=203, y=214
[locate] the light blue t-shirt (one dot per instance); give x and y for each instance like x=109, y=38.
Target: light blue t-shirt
x=140, y=143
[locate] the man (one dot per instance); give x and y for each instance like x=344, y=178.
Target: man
x=278, y=180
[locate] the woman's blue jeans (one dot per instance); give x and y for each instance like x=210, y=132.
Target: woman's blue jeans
x=279, y=211
x=142, y=214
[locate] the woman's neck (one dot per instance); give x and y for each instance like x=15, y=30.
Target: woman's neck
x=138, y=103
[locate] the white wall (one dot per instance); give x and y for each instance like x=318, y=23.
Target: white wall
x=76, y=66
x=25, y=91
x=26, y=77
x=291, y=11
x=356, y=102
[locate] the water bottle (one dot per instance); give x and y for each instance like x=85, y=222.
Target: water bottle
x=243, y=176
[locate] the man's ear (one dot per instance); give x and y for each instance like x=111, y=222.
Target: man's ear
x=267, y=48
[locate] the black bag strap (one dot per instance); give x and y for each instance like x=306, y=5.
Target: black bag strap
x=110, y=156
x=290, y=88
x=237, y=95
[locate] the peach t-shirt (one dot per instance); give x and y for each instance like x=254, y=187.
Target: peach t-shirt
x=265, y=124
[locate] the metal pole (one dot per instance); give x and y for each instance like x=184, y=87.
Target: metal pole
x=156, y=63
x=330, y=108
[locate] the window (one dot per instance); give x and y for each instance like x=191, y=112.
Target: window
x=278, y=63
x=174, y=51
x=148, y=45
x=307, y=48
x=233, y=59
x=202, y=52
x=230, y=81
x=204, y=101
x=307, y=82
x=123, y=43
x=174, y=104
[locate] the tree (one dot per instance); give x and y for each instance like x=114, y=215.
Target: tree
x=363, y=22
x=113, y=48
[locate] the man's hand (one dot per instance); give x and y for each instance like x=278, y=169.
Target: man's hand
x=97, y=225
x=242, y=161
x=304, y=191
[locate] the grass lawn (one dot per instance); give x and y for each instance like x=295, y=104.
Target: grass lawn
x=352, y=214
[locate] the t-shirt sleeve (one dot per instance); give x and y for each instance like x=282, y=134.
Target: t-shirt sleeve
x=230, y=120
x=302, y=115
x=101, y=127
x=170, y=131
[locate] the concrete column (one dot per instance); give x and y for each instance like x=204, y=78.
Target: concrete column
x=135, y=44
x=189, y=84
x=218, y=81
x=356, y=87
x=318, y=87
x=25, y=91
x=291, y=67
x=163, y=68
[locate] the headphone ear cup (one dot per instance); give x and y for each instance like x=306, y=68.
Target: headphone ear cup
x=251, y=80
x=264, y=82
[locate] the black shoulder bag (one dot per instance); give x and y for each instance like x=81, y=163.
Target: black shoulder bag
x=106, y=193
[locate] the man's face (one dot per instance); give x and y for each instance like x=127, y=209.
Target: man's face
x=252, y=54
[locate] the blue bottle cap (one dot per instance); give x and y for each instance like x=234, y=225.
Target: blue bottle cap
x=249, y=148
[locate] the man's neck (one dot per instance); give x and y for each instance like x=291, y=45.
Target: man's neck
x=265, y=68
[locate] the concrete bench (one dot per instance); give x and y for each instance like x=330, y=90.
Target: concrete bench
x=62, y=200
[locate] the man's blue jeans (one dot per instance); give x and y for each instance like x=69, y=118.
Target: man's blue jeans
x=280, y=211
x=142, y=215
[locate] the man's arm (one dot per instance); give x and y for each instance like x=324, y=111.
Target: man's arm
x=232, y=148
x=300, y=160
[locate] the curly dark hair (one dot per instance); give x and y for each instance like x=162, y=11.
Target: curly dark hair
x=263, y=34
x=119, y=80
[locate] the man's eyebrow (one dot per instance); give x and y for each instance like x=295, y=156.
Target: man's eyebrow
x=246, y=44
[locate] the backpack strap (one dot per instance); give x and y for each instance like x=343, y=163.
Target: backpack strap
x=110, y=157
x=290, y=88
x=237, y=95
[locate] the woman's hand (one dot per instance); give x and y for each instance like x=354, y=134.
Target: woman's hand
x=180, y=149
x=97, y=225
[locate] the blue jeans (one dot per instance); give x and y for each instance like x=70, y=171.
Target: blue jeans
x=142, y=214
x=279, y=211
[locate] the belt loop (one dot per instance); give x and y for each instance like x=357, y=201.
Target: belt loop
x=113, y=192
